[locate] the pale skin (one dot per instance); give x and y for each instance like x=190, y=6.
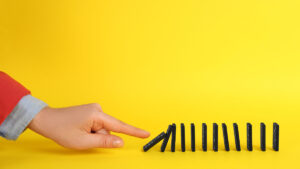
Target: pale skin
x=82, y=127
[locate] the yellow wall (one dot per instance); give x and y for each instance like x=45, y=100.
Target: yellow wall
x=151, y=63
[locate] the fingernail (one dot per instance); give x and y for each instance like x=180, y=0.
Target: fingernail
x=117, y=143
x=147, y=133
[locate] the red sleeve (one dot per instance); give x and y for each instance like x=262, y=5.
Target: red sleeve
x=11, y=93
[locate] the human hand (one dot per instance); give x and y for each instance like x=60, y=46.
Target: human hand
x=82, y=127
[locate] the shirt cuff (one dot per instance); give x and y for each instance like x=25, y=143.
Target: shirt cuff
x=17, y=121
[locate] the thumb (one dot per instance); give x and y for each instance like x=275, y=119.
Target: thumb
x=104, y=141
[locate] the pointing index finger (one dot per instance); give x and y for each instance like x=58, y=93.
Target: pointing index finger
x=118, y=126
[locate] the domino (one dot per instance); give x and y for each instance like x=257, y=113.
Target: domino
x=236, y=137
x=154, y=141
x=249, y=137
x=275, y=136
x=262, y=137
x=225, y=135
x=193, y=146
x=215, y=137
x=166, y=139
x=204, y=137
x=182, y=137
x=173, y=141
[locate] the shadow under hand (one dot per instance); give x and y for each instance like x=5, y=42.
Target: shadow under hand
x=46, y=146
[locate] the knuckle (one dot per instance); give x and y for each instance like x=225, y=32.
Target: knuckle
x=107, y=142
x=122, y=123
x=96, y=105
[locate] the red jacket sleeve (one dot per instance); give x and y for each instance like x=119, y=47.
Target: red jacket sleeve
x=11, y=93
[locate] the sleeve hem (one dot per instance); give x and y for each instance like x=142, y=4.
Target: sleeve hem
x=23, y=113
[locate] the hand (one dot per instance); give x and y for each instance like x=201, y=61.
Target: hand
x=82, y=127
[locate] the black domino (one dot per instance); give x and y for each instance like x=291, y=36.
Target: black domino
x=193, y=146
x=166, y=139
x=236, y=137
x=262, y=137
x=204, y=137
x=225, y=135
x=275, y=136
x=173, y=141
x=182, y=137
x=215, y=137
x=154, y=141
x=249, y=137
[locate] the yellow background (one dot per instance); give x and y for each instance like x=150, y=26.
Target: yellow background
x=155, y=62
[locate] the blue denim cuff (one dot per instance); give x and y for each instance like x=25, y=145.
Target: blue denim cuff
x=17, y=121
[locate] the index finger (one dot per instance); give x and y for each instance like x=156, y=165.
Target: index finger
x=118, y=126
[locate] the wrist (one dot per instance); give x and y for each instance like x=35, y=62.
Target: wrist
x=37, y=121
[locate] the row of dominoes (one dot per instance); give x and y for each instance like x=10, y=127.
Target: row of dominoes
x=172, y=131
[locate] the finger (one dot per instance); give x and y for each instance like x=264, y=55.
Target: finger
x=116, y=125
x=94, y=105
x=102, y=131
x=103, y=141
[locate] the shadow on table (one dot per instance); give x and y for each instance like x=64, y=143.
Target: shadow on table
x=45, y=146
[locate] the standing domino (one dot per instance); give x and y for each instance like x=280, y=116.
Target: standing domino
x=193, y=146
x=173, y=141
x=182, y=137
x=249, y=137
x=215, y=137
